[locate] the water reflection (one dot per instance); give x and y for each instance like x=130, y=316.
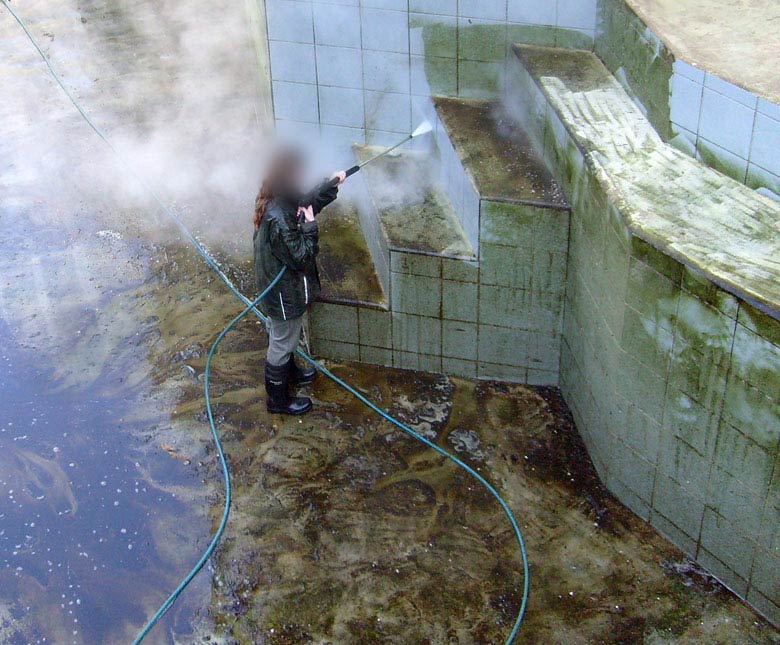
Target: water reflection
x=96, y=521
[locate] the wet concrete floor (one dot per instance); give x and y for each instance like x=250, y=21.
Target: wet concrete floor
x=345, y=530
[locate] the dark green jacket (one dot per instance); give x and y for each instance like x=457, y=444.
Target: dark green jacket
x=282, y=240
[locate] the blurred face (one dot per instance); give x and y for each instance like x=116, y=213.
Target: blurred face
x=296, y=174
x=287, y=172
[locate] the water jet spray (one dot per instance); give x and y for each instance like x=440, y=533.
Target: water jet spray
x=424, y=128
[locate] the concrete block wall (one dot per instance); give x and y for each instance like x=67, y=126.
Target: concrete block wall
x=499, y=316
x=351, y=70
x=722, y=125
x=673, y=382
x=670, y=386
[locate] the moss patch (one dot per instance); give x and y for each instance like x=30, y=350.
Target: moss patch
x=346, y=267
x=497, y=153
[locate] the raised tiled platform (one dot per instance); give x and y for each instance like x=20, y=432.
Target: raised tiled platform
x=520, y=218
x=707, y=85
x=498, y=157
x=476, y=276
x=704, y=220
x=668, y=366
x=413, y=213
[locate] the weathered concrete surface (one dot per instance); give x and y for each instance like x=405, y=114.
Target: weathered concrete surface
x=412, y=211
x=701, y=218
x=734, y=40
x=639, y=60
x=346, y=530
x=346, y=268
x=498, y=157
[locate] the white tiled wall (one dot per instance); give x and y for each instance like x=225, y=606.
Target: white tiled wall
x=742, y=130
x=355, y=68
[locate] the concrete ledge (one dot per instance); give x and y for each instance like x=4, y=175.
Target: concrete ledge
x=498, y=158
x=694, y=214
x=347, y=271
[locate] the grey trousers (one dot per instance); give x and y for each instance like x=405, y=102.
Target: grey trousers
x=283, y=337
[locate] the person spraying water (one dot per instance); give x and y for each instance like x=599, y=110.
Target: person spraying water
x=287, y=236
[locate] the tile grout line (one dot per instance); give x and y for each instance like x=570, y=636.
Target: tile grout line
x=752, y=142
x=316, y=71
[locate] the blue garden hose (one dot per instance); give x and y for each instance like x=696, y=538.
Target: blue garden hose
x=251, y=306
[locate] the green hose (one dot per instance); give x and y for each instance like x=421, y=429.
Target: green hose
x=251, y=306
x=225, y=470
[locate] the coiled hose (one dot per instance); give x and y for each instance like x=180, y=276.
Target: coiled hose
x=251, y=307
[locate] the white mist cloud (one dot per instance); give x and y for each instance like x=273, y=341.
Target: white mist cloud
x=175, y=83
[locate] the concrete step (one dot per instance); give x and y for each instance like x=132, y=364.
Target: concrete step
x=347, y=270
x=414, y=214
x=663, y=56
x=496, y=155
x=472, y=241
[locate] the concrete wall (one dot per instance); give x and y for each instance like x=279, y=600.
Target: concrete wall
x=353, y=69
x=722, y=125
x=672, y=381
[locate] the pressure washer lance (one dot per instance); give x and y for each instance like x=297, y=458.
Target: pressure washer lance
x=424, y=128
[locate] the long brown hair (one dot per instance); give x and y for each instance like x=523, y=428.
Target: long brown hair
x=285, y=164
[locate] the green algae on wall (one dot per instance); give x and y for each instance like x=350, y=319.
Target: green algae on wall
x=638, y=59
x=672, y=379
x=468, y=59
x=690, y=434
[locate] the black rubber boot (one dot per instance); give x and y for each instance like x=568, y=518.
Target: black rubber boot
x=301, y=375
x=277, y=383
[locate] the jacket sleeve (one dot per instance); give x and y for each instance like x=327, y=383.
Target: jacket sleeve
x=295, y=247
x=322, y=195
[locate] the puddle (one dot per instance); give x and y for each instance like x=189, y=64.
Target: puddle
x=97, y=518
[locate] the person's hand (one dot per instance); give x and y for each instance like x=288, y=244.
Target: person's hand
x=307, y=212
x=341, y=175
